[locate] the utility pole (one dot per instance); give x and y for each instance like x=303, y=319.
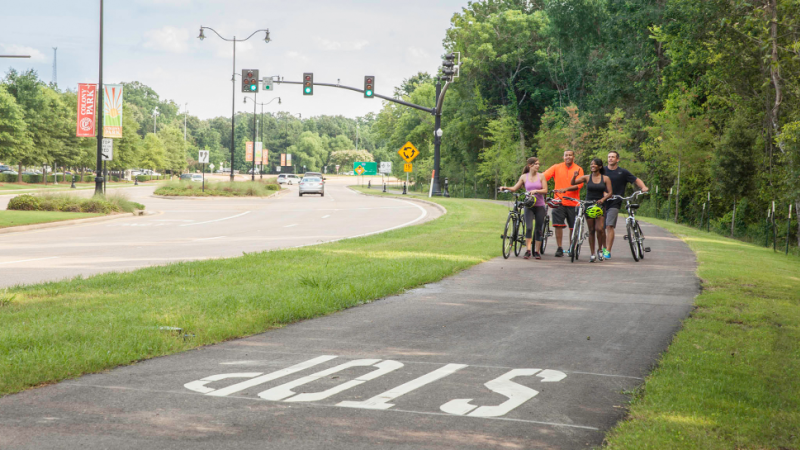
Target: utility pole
x=98, y=179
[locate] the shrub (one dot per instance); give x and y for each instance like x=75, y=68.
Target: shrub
x=25, y=202
x=32, y=178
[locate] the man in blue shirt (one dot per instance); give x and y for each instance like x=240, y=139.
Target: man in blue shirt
x=619, y=181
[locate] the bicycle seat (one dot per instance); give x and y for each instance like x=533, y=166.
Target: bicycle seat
x=634, y=206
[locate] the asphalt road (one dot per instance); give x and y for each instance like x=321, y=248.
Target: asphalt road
x=185, y=229
x=511, y=354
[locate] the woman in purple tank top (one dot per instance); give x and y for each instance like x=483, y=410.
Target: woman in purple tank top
x=535, y=185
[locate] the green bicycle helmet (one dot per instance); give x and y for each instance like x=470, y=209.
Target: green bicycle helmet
x=594, y=212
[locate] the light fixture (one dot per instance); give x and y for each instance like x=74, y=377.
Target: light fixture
x=202, y=36
x=266, y=37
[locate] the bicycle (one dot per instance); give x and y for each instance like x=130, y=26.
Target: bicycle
x=580, y=232
x=634, y=236
x=514, y=232
x=546, y=231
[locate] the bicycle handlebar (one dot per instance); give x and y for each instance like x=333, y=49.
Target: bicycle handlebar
x=627, y=199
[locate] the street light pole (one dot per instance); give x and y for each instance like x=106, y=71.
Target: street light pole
x=233, y=82
x=255, y=130
x=255, y=103
x=98, y=179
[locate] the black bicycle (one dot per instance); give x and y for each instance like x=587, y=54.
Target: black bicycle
x=514, y=232
x=634, y=236
x=581, y=231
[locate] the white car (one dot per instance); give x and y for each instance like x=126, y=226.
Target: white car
x=288, y=178
x=312, y=185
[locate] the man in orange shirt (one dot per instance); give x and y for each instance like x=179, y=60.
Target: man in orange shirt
x=563, y=174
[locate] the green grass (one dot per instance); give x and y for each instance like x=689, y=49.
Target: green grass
x=62, y=185
x=731, y=377
x=261, y=188
x=54, y=331
x=17, y=218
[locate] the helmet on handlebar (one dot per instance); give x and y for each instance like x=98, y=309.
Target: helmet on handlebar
x=594, y=212
x=530, y=201
x=554, y=202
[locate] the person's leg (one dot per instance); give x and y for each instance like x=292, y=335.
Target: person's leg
x=611, y=223
x=538, y=234
x=559, y=236
x=559, y=223
x=601, y=234
x=528, y=227
x=590, y=225
x=570, y=212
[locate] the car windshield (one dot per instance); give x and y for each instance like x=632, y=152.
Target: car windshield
x=311, y=180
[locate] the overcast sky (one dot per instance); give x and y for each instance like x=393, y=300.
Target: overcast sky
x=155, y=42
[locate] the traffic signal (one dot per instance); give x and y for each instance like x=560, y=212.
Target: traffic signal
x=250, y=80
x=268, y=86
x=308, y=84
x=369, y=86
x=448, y=65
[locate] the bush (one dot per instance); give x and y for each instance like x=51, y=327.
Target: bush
x=25, y=202
x=32, y=178
x=8, y=178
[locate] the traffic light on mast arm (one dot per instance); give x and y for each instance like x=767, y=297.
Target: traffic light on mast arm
x=308, y=84
x=448, y=65
x=250, y=80
x=369, y=86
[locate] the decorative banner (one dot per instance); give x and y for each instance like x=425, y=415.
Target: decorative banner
x=283, y=159
x=248, y=151
x=265, y=157
x=112, y=111
x=259, y=146
x=288, y=159
x=87, y=101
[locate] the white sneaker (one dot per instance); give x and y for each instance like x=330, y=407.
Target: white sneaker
x=592, y=258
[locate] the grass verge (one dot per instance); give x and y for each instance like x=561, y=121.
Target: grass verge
x=17, y=218
x=730, y=377
x=66, y=202
x=54, y=331
x=62, y=185
x=219, y=189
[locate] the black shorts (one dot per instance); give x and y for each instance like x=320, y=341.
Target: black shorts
x=563, y=213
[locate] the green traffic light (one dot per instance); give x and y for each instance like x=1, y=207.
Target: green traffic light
x=308, y=90
x=253, y=87
x=369, y=93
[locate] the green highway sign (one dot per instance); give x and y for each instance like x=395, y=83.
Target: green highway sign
x=365, y=168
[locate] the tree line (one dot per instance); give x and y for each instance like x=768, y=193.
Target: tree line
x=38, y=120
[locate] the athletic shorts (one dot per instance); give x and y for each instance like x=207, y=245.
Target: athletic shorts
x=563, y=213
x=611, y=217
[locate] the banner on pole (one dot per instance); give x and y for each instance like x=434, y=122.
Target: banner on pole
x=248, y=157
x=112, y=111
x=283, y=159
x=87, y=102
x=288, y=159
x=265, y=157
x=259, y=146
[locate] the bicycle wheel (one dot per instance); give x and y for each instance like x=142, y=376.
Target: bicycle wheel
x=519, y=237
x=508, y=238
x=575, y=246
x=632, y=241
x=639, y=240
x=545, y=233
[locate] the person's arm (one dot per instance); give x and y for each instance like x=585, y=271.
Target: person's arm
x=608, y=190
x=544, y=189
x=640, y=184
x=577, y=180
x=516, y=186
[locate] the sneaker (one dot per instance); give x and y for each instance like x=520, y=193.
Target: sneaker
x=600, y=256
x=592, y=258
x=527, y=254
x=537, y=255
x=606, y=254
x=560, y=252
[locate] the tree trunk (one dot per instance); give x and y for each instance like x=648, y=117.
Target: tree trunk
x=19, y=173
x=796, y=208
x=733, y=219
x=775, y=75
x=678, y=192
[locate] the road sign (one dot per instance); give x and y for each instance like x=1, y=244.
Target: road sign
x=211, y=166
x=386, y=167
x=408, y=152
x=107, y=151
x=367, y=168
x=203, y=157
x=407, y=167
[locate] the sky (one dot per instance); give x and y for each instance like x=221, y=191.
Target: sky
x=155, y=42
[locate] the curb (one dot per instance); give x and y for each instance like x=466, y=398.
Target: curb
x=213, y=197
x=64, y=223
x=412, y=199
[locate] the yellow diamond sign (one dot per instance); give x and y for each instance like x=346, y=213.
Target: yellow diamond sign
x=408, y=152
x=360, y=170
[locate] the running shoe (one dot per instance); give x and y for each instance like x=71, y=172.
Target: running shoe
x=592, y=258
x=537, y=255
x=527, y=254
x=560, y=252
x=600, y=256
x=606, y=254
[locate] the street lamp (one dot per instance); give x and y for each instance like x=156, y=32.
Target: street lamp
x=155, y=118
x=255, y=130
x=233, y=79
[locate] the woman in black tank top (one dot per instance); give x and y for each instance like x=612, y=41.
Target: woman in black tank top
x=598, y=187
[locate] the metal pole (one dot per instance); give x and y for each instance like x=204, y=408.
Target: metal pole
x=105, y=178
x=204, y=176
x=766, y=226
x=788, y=227
x=437, y=140
x=261, y=163
x=774, y=229
x=98, y=179
x=255, y=103
x=233, y=102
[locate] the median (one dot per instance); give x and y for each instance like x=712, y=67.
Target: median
x=259, y=188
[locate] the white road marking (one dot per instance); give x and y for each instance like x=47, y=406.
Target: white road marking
x=285, y=390
x=215, y=220
x=174, y=220
x=381, y=401
x=383, y=368
x=27, y=260
x=289, y=226
x=211, y=238
x=270, y=376
x=200, y=385
x=325, y=217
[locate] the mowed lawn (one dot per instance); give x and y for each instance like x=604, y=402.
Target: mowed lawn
x=731, y=377
x=17, y=218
